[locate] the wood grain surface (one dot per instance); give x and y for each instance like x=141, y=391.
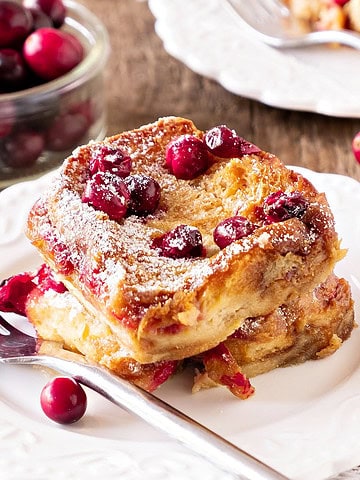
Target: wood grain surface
x=143, y=82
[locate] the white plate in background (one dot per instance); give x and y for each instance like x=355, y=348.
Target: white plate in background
x=212, y=42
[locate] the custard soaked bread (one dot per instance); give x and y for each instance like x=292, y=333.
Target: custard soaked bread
x=171, y=237
x=311, y=327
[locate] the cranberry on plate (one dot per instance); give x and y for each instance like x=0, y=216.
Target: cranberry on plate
x=63, y=400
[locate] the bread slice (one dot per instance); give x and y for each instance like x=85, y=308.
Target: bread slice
x=309, y=328
x=161, y=308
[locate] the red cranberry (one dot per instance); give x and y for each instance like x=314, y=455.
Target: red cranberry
x=14, y=292
x=40, y=19
x=232, y=229
x=39, y=48
x=356, y=146
x=66, y=131
x=225, y=143
x=187, y=157
x=46, y=280
x=54, y=9
x=7, y=118
x=108, y=193
x=86, y=108
x=15, y=23
x=22, y=149
x=144, y=194
x=109, y=158
x=63, y=400
x=13, y=72
x=183, y=241
x=341, y=3
x=280, y=206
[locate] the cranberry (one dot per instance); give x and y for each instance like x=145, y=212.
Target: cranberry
x=86, y=108
x=232, y=229
x=108, y=193
x=7, y=118
x=144, y=194
x=40, y=19
x=109, y=158
x=187, y=157
x=356, y=146
x=225, y=143
x=63, y=400
x=39, y=48
x=281, y=206
x=14, y=292
x=182, y=242
x=66, y=131
x=341, y=3
x=13, y=71
x=46, y=280
x=22, y=148
x=54, y=9
x=15, y=23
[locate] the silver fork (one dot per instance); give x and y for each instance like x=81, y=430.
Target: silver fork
x=17, y=347
x=270, y=21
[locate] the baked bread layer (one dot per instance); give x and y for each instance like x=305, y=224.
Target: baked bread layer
x=166, y=308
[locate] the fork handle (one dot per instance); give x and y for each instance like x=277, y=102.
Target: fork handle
x=163, y=416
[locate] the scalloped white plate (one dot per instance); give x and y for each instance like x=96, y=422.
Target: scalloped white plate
x=304, y=420
x=207, y=38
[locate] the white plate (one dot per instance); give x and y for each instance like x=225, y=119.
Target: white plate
x=209, y=40
x=304, y=420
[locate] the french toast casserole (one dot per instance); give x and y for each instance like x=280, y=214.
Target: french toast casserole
x=166, y=246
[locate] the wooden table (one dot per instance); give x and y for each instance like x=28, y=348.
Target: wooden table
x=144, y=82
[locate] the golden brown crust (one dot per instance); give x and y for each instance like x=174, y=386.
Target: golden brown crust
x=162, y=308
x=312, y=327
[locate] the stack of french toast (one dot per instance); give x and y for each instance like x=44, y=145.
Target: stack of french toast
x=167, y=247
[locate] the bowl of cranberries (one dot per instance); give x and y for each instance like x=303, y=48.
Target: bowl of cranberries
x=52, y=59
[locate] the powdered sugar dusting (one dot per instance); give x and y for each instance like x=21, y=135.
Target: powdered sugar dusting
x=116, y=256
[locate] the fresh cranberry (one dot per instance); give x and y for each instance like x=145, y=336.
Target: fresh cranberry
x=225, y=143
x=40, y=19
x=108, y=193
x=86, y=108
x=54, y=9
x=14, y=292
x=63, y=400
x=22, y=149
x=7, y=118
x=183, y=241
x=280, y=206
x=15, y=23
x=66, y=131
x=109, y=158
x=13, y=71
x=232, y=229
x=144, y=194
x=46, y=280
x=341, y=3
x=187, y=157
x=356, y=146
x=39, y=48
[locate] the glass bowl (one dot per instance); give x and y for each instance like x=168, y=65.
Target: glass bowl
x=40, y=126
